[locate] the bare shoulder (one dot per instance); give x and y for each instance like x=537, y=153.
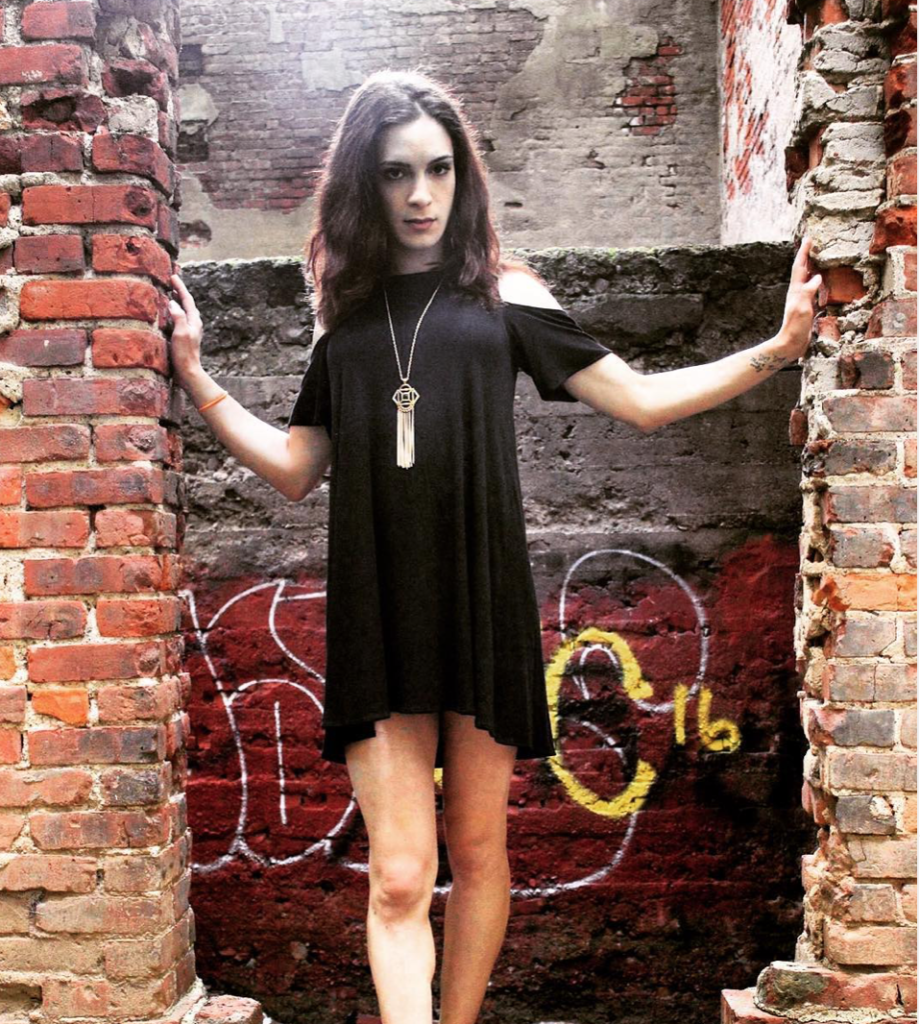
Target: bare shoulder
x=519, y=286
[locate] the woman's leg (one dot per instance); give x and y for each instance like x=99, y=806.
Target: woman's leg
x=477, y=778
x=393, y=778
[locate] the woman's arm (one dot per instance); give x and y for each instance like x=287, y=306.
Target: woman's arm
x=293, y=463
x=652, y=400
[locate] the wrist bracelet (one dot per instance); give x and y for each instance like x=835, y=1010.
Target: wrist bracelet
x=214, y=401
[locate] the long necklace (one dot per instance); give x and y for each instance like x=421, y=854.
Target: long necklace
x=405, y=396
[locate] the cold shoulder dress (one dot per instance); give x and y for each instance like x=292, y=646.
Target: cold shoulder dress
x=430, y=600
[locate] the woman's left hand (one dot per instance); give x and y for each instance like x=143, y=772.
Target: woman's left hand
x=800, y=312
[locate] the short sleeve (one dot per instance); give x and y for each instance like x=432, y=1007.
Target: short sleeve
x=549, y=347
x=313, y=407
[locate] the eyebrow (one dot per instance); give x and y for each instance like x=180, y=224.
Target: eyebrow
x=401, y=163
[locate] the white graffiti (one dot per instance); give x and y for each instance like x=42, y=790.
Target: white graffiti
x=239, y=847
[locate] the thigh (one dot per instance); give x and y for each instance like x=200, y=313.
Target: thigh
x=476, y=783
x=392, y=774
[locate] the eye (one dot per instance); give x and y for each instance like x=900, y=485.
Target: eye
x=443, y=167
x=387, y=171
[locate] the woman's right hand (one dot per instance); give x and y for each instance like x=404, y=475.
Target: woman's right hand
x=185, y=342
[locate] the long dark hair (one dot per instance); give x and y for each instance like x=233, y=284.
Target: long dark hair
x=346, y=252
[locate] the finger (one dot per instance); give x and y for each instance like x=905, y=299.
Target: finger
x=800, y=264
x=188, y=303
x=178, y=313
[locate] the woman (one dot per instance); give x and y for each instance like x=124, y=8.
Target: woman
x=433, y=634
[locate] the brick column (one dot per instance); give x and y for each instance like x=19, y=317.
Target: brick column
x=852, y=173
x=95, y=921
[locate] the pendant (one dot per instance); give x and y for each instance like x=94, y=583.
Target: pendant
x=405, y=397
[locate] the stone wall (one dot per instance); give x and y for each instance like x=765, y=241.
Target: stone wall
x=680, y=546
x=606, y=114
x=852, y=165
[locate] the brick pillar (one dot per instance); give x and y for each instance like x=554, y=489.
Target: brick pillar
x=95, y=921
x=852, y=173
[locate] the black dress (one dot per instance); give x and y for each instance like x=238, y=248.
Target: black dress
x=430, y=601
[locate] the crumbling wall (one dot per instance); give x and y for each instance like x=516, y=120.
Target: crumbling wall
x=604, y=113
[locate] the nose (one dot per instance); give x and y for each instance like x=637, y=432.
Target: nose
x=421, y=194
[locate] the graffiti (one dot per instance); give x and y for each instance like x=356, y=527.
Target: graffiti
x=593, y=653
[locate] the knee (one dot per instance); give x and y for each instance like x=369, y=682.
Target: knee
x=400, y=885
x=471, y=858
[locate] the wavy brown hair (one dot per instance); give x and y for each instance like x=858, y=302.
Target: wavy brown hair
x=347, y=250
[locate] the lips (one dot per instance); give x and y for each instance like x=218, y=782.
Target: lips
x=421, y=220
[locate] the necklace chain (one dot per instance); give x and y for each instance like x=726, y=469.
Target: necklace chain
x=405, y=379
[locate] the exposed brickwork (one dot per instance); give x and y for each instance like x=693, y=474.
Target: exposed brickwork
x=581, y=107
x=851, y=171
x=95, y=921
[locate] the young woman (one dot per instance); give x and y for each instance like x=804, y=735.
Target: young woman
x=433, y=633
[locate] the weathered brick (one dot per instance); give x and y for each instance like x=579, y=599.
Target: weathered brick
x=861, y=770
x=49, y=254
x=43, y=347
x=96, y=573
x=59, y=19
x=862, y=546
x=53, y=873
x=150, y=786
x=86, y=396
x=853, y=503
x=94, y=486
x=65, y=788
x=68, y=704
x=43, y=529
x=62, y=110
x=123, y=77
x=41, y=620
x=12, y=704
x=865, y=815
x=26, y=65
x=880, y=857
x=104, y=745
x=51, y=153
x=135, y=527
x=82, y=662
x=133, y=154
x=93, y=829
x=89, y=204
x=850, y=727
x=116, y=347
x=80, y=300
x=131, y=254
x=870, y=945
x=867, y=902
x=908, y=727
x=861, y=636
x=136, y=617
x=121, y=442
x=108, y=915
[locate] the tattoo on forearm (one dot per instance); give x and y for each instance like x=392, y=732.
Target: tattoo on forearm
x=769, y=361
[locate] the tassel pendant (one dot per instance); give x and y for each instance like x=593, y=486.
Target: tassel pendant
x=405, y=398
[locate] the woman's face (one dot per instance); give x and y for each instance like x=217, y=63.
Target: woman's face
x=415, y=174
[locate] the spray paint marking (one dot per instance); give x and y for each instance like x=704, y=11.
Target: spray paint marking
x=721, y=735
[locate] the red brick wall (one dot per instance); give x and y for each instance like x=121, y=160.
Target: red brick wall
x=95, y=921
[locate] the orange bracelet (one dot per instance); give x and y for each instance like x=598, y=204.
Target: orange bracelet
x=214, y=401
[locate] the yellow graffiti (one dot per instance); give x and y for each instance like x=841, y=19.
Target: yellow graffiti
x=721, y=735
x=637, y=688
x=680, y=714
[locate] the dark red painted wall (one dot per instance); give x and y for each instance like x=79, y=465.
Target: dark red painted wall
x=656, y=858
